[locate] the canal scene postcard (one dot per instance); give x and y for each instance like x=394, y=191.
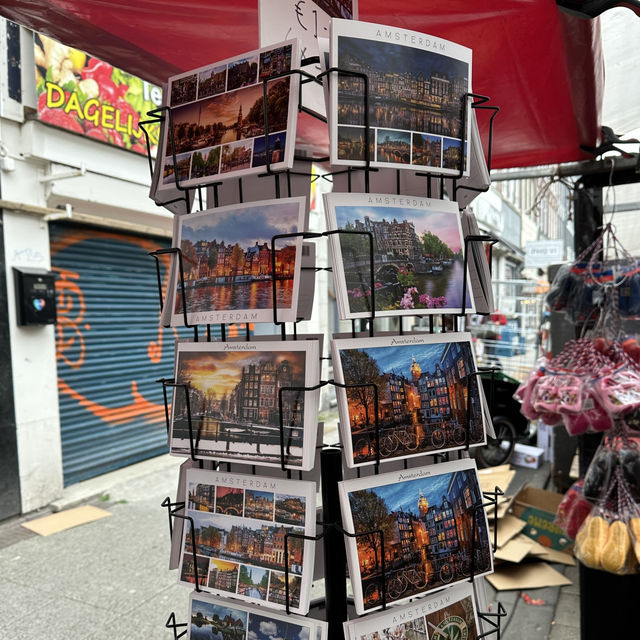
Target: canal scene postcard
x=227, y=402
x=448, y=615
x=423, y=529
x=212, y=618
x=418, y=259
x=228, y=263
x=418, y=107
x=424, y=388
x=241, y=555
x=216, y=127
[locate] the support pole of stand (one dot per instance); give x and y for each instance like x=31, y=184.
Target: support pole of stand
x=335, y=559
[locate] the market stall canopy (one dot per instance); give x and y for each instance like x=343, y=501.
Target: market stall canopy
x=543, y=67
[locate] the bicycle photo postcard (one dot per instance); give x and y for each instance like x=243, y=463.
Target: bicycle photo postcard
x=434, y=528
x=427, y=392
x=447, y=615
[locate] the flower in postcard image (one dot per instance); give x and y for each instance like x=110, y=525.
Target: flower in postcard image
x=417, y=255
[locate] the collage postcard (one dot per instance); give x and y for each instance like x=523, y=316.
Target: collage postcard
x=418, y=107
x=217, y=118
x=227, y=263
x=448, y=615
x=417, y=254
x=426, y=517
x=234, y=409
x=240, y=522
x=425, y=385
x=212, y=618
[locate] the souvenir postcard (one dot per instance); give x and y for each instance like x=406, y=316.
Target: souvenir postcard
x=233, y=391
x=417, y=254
x=417, y=85
x=217, y=117
x=426, y=516
x=448, y=615
x=240, y=523
x=422, y=383
x=227, y=263
x=212, y=618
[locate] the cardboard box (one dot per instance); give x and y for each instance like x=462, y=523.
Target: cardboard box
x=537, y=508
x=525, y=456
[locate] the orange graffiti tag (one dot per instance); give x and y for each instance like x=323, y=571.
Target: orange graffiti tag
x=118, y=415
x=71, y=309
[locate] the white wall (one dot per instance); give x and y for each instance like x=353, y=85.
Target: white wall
x=33, y=357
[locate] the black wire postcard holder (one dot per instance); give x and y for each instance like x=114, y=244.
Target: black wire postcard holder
x=334, y=571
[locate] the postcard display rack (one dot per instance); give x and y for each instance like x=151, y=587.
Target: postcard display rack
x=330, y=529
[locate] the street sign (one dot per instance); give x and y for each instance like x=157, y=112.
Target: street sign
x=541, y=253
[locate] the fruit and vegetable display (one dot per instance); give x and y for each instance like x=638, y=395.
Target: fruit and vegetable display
x=91, y=97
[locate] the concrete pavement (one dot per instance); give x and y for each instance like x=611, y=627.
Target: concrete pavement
x=109, y=579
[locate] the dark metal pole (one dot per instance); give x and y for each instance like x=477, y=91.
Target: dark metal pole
x=600, y=591
x=335, y=559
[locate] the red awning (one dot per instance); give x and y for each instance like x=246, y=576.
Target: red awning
x=542, y=67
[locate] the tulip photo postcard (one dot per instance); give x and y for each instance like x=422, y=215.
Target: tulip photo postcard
x=227, y=263
x=423, y=382
x=426, y=516
x=240, y=522
x=217, y=117
x=448, y=615
x=212, y=618
x=417, y=86
x=233, y=390
x=417, y=255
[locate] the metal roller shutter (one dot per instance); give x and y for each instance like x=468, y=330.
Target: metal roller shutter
x=110, y=349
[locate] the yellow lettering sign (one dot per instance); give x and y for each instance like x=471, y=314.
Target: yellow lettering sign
x=55, y=95
x=107, y=116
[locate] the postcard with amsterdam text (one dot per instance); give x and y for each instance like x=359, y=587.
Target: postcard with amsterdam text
x=425, y=383
x=449, y=614
x=217, y=118
x=234, y=408
x=227, y=263
x=426, y=516
x=417, y=103
x=240, y=523
x=212, y=618
x=418, y=256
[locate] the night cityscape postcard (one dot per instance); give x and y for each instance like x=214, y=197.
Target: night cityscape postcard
x=417, y=95
x=434, y=527
x=426, y=391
